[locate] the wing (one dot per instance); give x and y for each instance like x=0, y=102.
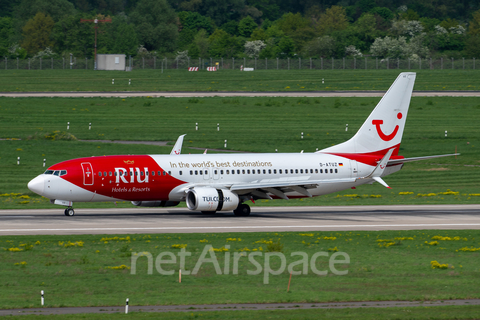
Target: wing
x=279, y=187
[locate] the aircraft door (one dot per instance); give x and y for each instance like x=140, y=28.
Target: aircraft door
x=87, y=173
x=353, y=168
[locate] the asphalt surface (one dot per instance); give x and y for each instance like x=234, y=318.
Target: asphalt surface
x=262, y=219
x=179, y=94
x=239, y=306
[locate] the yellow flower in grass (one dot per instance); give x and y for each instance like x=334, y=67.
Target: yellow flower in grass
x=178, y=246
x=435, y=265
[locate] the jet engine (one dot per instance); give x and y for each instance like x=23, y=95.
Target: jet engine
x=155, y=203
x=211, y=199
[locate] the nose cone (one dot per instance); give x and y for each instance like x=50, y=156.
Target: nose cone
x=37, y=185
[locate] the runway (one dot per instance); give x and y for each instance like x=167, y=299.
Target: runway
x=262, y=219
x=199, y=94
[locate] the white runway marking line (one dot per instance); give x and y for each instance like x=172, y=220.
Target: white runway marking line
x=253, y=227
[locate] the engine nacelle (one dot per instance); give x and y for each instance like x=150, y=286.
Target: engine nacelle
x=211, y=199
x=155, y=203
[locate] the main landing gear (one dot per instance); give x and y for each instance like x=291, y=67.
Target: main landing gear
x=242, y=210
x=69, y=212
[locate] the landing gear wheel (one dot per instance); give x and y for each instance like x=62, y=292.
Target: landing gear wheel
x=242, y=210
x=209, y=212
x=69, y=212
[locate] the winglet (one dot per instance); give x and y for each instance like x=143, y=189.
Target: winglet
x=177, y=148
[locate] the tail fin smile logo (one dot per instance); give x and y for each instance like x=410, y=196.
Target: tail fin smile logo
x=383, y=136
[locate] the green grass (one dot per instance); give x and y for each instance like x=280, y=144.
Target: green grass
x=76, y=270
x=249, y=124
x=450, y=312
x=228, y=80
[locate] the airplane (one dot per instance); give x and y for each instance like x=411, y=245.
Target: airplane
x=224, y=182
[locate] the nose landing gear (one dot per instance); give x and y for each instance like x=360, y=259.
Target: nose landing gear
x=69, y=212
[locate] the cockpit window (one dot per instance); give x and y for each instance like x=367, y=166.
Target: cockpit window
x=56, y=172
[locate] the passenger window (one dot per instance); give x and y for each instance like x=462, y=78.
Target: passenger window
x=180, y=172
x=221, y=171
x=275, y=171
x=248, y=171
x=243, y=171
x=316, y=170
x=105, y=173
x=336, y=170
x=291, y=171
x=311, y=170
x=115, y=173
x=233, y=171
x=296, y=170
x=238, y=171
x=201, y=172
x=159, y=173
x=264, y=172
x=206, y=172
x=301, y=170
x=99, y=173
x=286, y=171
x=191, y=172
x=170, y=172
x=153, y=173
x=331, y=170
x=215, y=172
x=269, y=171
x=321, y=170
x=141, y=173
x=228, y=171
x=196, y=172
x=165, y=173
x=280, y=171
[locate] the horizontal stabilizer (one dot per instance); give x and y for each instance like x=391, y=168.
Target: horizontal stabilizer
x=397, y=161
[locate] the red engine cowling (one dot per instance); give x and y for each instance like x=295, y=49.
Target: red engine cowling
x=211, y=199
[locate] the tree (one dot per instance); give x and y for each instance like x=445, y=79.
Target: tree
x=223, y=45
x=156, y=25
x=474, y=27
x=297, y=28
x=74, y=37
x=286, y=47
x=334, y=19
x=320, y=47
x=199, y=47
x=246, y=26
x=118, y=36
x=253, y=48
x=6, y=33
x=36, y=33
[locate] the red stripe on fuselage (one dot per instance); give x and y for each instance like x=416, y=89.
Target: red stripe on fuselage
x=136, y=187
x=371, y=158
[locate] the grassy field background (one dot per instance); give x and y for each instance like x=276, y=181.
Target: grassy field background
x=93, y=270
x=248, y=124
x=230, y=80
